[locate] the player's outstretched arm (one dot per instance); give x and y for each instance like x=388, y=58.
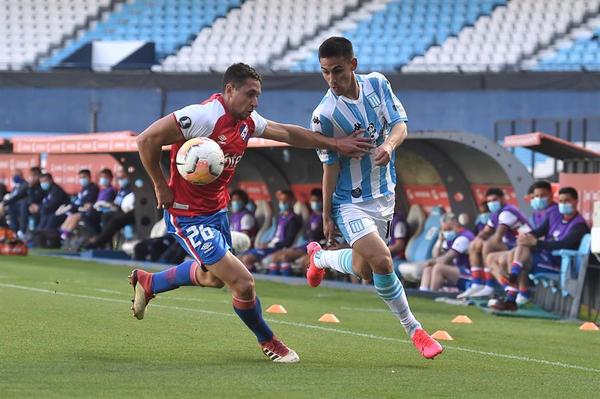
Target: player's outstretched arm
x=383, y=153
x=150, y=142
x=353, y=145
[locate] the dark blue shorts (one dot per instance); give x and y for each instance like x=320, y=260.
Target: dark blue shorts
x=205, y=238
x=543, y=262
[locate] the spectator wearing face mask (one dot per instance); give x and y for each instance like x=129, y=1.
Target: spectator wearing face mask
x=281, y=261
x=288, y=226
x=16, y=204
x=106, y=197
x=86, y=197
x=240, y=218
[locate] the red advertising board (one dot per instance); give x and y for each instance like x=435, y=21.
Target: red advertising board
x=64, y=168
x=10, y=162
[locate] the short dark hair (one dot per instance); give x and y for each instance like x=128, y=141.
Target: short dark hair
x=84, y=172
x=237, y=74
x=336, y=46
x=242, y=194
x=543, y=184
x=47, y=175
x=316, y=192
x=107, y=171
x=570, y=191
x=288, y=193
x=495, y=191
x=35, y=170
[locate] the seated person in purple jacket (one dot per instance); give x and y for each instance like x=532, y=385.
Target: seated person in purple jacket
x=240, y=218
x=452, y=268
x=281, y=261
x=87, y=196
x=499, y=234
x=106, y=196
x=534, y=250
x=288, y=226
x=543, y=208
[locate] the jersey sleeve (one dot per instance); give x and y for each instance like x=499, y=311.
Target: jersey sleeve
x=461, y=245
x=247, y=222
x=195, y=120
x=322, y=125
x=393, y=110
x=260, y=124
x=508, y=219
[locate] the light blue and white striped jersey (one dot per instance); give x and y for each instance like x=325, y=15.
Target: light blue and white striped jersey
x=377, y=110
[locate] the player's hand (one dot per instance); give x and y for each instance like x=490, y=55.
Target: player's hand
x=328, y=228
x=354, y=145
x=528, y=240
x=164, y=196
x=383, y=154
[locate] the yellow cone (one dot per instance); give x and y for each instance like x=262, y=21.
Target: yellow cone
x=442, y=335
x=589, y=326
x=462, y=319
x=276, y=309
x=329, y=318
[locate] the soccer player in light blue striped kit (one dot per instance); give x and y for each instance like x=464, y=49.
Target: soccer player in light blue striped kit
x=358, y=193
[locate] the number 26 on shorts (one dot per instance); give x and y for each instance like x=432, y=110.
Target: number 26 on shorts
x=193, y=232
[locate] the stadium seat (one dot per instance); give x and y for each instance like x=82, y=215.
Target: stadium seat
x=416, y=221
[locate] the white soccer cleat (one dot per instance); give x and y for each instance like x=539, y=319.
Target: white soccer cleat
x=485, y=291
x=278, y=352
x=466, y=294
x=522, y=299
x=142, y=292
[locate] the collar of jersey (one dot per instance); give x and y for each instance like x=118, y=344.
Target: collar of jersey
x=360, y=93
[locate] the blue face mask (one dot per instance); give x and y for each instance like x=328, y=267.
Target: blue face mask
x=283, y=206
x=316, y=206
x=236, y=206
x=494, y=206
x=123, y=182
x=539, y=203
x=104, y=181
x=565, y=208
x=84, y=181
x=45, y=185
x=449, y=235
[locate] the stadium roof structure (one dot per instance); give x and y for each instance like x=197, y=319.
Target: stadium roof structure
x=550, y=145
x=111, y=142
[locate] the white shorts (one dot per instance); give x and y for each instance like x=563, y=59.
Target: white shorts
x=357, y=220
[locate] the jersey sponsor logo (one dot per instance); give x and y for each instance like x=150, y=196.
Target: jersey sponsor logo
x=357, y=126
x=232, y=160
x=185, y=122
x=356, y=193
x=373, y=100
x=356, y=226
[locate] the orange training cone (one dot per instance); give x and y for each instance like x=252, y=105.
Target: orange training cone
x=276, y=309
x=589, y=326
x=329, y=318
x=462, y=319
x=442, y=335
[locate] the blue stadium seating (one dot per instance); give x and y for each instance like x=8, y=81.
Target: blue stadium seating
x=168, y=23
x=405, y=29
x=583, y=54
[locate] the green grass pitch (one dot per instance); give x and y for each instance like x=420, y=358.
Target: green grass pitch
x=66, y=331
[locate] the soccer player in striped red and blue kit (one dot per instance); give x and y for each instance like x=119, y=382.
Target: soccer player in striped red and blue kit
x=197, y=215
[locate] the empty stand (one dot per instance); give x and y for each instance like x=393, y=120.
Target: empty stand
x=508, y=35
x=255, y=33
x=168, y=23
x=29, y=28
x=387, y=34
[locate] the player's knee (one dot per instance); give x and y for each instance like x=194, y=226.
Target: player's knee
x=381, y=263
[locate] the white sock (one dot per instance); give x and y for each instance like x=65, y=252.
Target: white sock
x=339, y=260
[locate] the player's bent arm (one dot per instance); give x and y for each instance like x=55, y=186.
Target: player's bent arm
x=397, y=135
x=499, y=233
x=447, y=258
x=299, y=137
x=485, y=233
x=150, y=142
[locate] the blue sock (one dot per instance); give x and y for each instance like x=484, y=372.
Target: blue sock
x=175, y=277
x=390, y=289
x=251, y=314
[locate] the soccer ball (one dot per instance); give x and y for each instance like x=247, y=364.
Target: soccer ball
x=200, y=160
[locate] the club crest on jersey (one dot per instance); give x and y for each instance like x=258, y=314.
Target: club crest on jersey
x=373, y=100
x=244, y=132
x=185, y=122
x=356, y=193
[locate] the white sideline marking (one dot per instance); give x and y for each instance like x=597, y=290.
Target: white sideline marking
x=314, y=327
